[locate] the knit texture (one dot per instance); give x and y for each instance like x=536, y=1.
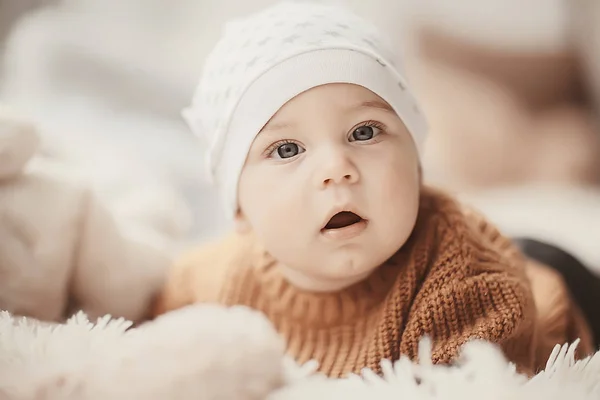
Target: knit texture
x=455, y=279
x=265, y=59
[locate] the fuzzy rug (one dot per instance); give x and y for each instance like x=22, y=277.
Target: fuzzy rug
x=209, y=352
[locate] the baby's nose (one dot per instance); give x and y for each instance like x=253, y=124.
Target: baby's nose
x=337, y=169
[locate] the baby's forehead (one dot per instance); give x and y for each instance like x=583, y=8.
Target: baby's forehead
x=338, y=99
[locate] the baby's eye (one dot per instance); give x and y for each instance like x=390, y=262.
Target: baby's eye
x=364, y=133
x=287, y=150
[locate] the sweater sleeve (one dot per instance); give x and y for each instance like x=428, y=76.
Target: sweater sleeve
x=199, y=275
x=494, y=307
x=559, y=318
x=177, y=291
x=487, y=297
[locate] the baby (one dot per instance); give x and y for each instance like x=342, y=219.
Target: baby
x=314, y=142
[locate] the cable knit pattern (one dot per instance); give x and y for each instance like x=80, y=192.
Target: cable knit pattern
x=457, y=278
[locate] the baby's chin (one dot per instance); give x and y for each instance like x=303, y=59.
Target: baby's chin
x=334, y=277
x=353, y=270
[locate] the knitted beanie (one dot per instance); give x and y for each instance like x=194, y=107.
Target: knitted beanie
x=264, y=60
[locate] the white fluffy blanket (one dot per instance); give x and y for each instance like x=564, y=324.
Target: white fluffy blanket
x=209, y=352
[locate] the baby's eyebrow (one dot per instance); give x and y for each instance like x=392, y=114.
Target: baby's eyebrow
x=376, y=104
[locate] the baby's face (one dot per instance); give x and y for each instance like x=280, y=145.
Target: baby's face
x=331, y=186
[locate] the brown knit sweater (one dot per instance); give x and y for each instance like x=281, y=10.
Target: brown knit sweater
x=456, y=278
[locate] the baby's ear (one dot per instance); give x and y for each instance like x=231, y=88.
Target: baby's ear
x=242, y=225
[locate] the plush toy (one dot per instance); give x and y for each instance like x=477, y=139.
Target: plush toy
x=63, y=247
x=213, y=353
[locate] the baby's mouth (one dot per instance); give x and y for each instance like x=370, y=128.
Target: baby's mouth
x=342, y=220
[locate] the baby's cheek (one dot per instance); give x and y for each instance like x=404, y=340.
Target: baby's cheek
x=398, y=195
x=283, y=228
x=280, y=205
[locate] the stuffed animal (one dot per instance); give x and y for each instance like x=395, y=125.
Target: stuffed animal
x=212, y=353
x=63, y=247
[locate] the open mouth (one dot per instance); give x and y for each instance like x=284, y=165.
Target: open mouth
x=342, y=220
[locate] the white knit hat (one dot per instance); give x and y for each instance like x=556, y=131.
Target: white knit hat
x=266, y=59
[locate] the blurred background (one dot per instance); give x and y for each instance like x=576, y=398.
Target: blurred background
x=511, y=88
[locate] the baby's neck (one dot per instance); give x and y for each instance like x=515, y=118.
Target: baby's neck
x=318, y=284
